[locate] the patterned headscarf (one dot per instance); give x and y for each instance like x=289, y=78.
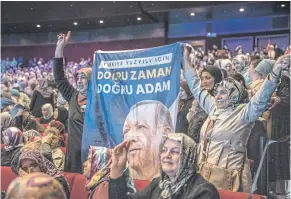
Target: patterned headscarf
x=60, y=100
x=187, y=167
x=100, y=160
x=57, y=124
x=240, y=62
x=31, y=136
x=13, y=138
x=86, y=71
x=44, y=164
x=37, y=186
x=235, y=90
x=50, y=111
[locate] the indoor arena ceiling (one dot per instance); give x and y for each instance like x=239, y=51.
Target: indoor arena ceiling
x=52, y=16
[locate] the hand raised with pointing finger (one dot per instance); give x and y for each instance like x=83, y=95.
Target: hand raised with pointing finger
x=119, y=159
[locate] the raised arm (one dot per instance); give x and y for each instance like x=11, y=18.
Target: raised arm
x=62, y=83
x=259, y=102
x=205, y=100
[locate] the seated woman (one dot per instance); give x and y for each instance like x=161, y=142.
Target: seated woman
x=31, y=161
x=47, y=114
x=37, y=186
x=57, y=154
x=25, y=121
x=178, y=178
x=61, y=114
x=97, y=169
x=60, y=126
x=13, y=140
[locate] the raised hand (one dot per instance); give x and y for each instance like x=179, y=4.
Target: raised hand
x=119, y=159
x=187, y=59
x=62, y=41
x=282, y=63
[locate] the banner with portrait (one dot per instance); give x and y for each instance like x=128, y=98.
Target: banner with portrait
x=133, y=95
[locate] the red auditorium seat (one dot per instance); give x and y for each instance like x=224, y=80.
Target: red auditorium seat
x=44, y=125
x=7, y=176
x=64, y=149
x=78, y=190
x=78, y=181
x=70, y=178
x=141, y=184
x=237, y=195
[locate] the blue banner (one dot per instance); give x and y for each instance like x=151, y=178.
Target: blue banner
x=132, y=95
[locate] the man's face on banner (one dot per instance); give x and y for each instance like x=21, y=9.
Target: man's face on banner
x=141, y=127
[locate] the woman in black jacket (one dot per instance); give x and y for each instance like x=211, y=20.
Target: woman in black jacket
x=77, y=99
x=178, y=178
x=41, y=96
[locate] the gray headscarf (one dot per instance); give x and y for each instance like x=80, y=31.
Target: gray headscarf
x=187, y=167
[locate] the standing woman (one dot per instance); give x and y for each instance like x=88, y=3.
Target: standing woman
x=77, y=99
x=224, y=135
x=41, y=96
x=196, y=116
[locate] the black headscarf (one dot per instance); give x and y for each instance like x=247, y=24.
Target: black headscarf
x=215, y=72
x=62, y=114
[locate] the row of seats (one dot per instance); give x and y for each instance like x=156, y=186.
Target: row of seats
x=77, y=184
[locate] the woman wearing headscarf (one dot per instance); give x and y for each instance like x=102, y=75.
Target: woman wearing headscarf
x=31, y=161
x=58, y=155
x=77, y=99
x=13, y=140
x=185, y=103
x=97, y=170
x=41, y=96
x=178, y=179
x=25, y=121
x=60, y=126
x=6, y=121
x=36, y=185
x=61, y=114
x=47, y=114
x=196, y=116
x=224, y=135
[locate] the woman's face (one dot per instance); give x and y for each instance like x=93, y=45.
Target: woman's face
x=182, y=94
x=87, y=168
x=56, y=114
x=29, y=166
x=44, y=112
x=207, y=81
x=170, y=157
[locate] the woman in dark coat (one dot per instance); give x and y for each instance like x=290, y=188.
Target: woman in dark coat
x=77, y=99
x=178, y=178
x=185, y=103
x=41, y=96
x=61, y=114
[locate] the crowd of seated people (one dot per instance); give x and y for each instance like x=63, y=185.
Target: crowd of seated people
x=244, y=87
